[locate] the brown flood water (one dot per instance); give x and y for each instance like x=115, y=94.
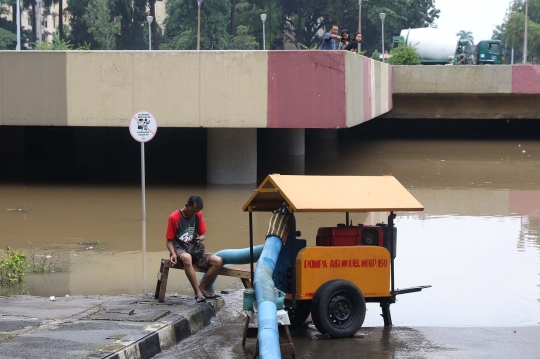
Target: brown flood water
x=476, y=242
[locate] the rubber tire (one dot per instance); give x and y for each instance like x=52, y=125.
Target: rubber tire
x=323, y=309
x=298, y=315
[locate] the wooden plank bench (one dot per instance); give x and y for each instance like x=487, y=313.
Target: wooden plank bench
x=163, y=275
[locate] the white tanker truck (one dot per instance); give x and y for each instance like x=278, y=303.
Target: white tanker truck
x=439, y=47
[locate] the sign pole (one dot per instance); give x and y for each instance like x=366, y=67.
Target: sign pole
x=143, y=128
x=143, y=185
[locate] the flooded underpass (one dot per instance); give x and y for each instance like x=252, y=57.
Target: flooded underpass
x=476, y=242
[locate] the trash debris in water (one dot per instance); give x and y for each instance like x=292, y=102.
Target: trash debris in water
x=52, y=298
x=89, y=248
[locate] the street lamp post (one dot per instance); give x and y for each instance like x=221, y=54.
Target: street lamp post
x=382, y=15
x=38, y=21
x=149, y=18
x=199, y=2
x=263, y=18
x=18, y=24
x=359, y=22
x=526, y=23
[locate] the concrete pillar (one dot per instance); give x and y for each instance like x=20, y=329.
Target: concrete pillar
x=283, y=152
x=231, y=156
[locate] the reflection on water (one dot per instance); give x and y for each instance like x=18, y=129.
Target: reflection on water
x=476, y=242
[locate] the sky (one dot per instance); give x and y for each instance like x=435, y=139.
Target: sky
x=478, y=16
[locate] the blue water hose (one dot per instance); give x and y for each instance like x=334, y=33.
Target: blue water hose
x=268, y=334
x=234, y=256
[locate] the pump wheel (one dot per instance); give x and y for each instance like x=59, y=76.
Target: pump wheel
x=338, y=308
x=298, y=315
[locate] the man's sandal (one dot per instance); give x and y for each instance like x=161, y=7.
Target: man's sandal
x=200, y=298
x=209, y=295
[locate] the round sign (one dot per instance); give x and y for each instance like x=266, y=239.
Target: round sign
x=143, y=126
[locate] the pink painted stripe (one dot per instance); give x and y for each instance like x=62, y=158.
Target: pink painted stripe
x=526, y=79
x=306, y=89
x=367, y=89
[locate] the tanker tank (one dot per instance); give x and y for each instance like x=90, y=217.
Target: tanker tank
x=432, y=45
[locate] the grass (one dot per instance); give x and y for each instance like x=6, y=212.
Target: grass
x=46, y=263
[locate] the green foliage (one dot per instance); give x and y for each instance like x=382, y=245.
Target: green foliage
x=56, y=44
x=13, y=266
x=100, y=25
x=243, y=41
x=404, y=55
x=181, y=24
x=7, y=38
x=303, y=19
x=376, y=55
x=511, y=31
x=78, y=34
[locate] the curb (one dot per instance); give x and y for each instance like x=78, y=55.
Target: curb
x=164, y=334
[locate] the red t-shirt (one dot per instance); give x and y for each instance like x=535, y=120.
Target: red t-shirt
x=173, y=224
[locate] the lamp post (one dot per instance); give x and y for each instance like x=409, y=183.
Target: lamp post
x=18, y=24
x=199, y=2
x=38, y=21
x=149, y=18
x=263, y=18
x=526, y=23
x=382, y=15
x=359, y=22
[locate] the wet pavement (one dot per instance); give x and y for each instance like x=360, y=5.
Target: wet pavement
x=98, y=326
x=223, y=339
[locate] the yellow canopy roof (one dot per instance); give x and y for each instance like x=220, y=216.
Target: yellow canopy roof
x=332, y=194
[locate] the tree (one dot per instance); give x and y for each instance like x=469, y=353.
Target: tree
x=133, y=24
x=181, y=24
x=7, y=38
x=243, y=41
x=79, y=34
x=248, y=13
x=511, y=31
x=467, y=35
x=103, y=26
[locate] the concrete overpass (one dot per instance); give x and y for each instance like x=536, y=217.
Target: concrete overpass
x=233, y=93
x=466, y=92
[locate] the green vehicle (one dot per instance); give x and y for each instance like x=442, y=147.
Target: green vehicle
x=489, y=52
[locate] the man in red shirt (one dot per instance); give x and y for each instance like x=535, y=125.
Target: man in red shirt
x=186, y=226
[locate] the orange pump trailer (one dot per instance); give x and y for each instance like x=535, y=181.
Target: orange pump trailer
x=333, y=283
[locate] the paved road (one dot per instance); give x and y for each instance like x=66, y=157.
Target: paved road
x=222, y=339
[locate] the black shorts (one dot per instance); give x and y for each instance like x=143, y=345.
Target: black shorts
x=203, y=262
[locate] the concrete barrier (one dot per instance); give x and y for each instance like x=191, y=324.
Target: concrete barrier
x=214, y=89
x=475, y=92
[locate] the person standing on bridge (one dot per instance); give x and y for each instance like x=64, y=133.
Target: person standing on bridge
x=353, y=45
x=186, y=229
x=331, y=40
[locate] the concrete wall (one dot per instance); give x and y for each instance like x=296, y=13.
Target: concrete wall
x=368, y=88
x=475, y=92
x=214, y=89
